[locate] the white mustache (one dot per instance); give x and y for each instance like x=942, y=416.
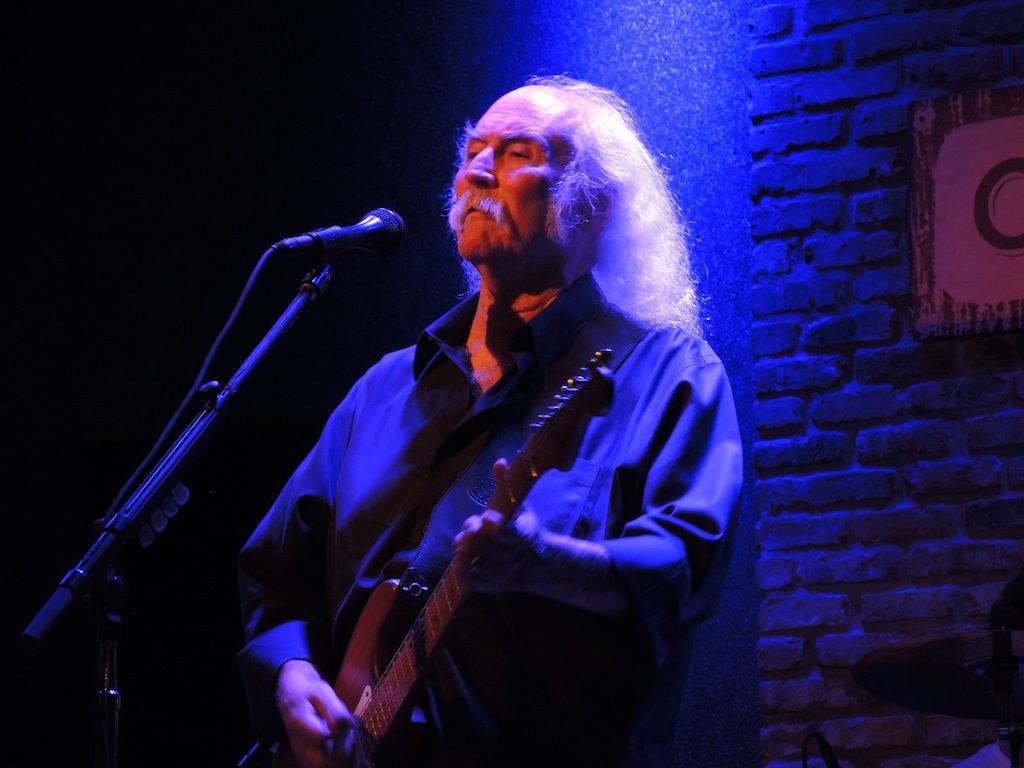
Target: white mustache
x=471, y=200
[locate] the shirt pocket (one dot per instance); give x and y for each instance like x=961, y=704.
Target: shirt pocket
x=560, y=498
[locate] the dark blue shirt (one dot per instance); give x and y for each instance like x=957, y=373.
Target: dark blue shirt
x=657, y=480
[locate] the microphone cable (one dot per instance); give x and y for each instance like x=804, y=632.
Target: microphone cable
x=196, y=386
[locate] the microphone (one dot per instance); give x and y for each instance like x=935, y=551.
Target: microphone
x=380, y=231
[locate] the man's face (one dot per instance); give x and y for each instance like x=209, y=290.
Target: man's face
x=513, y=158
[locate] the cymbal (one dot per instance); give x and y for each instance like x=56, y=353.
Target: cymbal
x=944, y=674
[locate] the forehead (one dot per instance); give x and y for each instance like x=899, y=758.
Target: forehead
x=531, y=110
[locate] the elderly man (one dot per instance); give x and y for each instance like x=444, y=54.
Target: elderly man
x=573, y=643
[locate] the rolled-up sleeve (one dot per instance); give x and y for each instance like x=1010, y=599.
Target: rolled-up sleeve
x=670, y=556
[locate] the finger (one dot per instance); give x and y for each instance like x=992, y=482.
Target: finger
x=467, y=540
x=502, y=480
x=491, y=522
x=300, y=715
x=478, y=528
x=308, y=739
x=308, y=723
x=464, y=552
x=330, y=708
x=344, y=747
x=508, y=540
x=500, y=471
x=471, y=524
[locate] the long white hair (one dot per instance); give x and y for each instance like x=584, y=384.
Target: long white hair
x=642, y=264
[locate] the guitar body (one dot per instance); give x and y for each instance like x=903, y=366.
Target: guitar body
x=381, y=627
x=369, y=650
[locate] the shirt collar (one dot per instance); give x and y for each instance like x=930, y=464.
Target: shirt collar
x=547, y=336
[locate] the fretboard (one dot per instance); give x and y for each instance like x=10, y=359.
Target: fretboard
x=403, y=672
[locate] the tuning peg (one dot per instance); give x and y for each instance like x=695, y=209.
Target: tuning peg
x=540, y=420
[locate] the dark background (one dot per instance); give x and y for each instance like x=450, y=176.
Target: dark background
x=157, y=152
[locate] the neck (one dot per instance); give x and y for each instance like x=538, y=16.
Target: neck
x=500, y=311
x=498, y=315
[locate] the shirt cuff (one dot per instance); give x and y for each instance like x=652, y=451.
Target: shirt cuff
x=656, y=574
x=259, y=662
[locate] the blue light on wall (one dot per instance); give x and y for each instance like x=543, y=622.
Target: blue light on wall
x=683, y=68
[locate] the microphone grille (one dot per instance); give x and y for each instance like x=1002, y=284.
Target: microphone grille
x=394, y=227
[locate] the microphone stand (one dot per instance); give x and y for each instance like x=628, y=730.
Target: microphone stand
x=1004, y=670
x=1006, y=616
x=158, y=497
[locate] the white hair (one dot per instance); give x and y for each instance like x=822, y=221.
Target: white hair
x=642, y=264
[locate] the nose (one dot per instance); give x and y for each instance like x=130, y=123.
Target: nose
x=480, y=170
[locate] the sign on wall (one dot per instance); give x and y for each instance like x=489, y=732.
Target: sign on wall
x=968, y=213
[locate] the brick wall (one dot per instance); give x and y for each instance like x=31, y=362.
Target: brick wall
x=890, y=487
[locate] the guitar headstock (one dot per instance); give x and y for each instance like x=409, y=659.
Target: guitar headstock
x=559, y=429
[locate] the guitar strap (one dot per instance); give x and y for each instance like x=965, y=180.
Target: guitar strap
x=471, y=492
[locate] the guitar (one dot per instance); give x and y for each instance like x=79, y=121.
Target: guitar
x=381, y=699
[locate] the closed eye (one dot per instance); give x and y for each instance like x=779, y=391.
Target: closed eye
x=521, y=149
